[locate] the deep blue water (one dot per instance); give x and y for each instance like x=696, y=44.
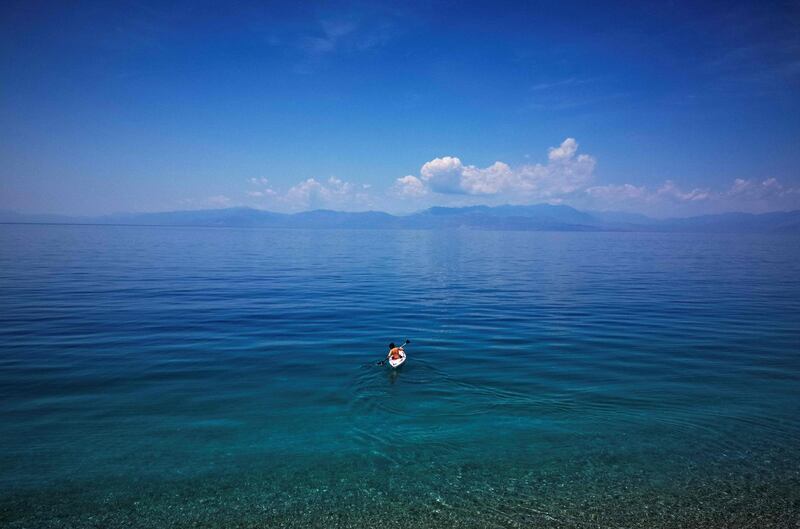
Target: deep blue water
x=190, y=377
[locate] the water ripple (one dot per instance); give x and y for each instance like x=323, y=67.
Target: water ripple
x=176, y=377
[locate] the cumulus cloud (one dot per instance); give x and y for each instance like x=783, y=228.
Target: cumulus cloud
x=409, y=186
x=443, y=175
x=449, y=175
x=564, y=151
x=567, y=177
x=564, y=173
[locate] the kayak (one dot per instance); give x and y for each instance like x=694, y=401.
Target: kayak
x=397, y=363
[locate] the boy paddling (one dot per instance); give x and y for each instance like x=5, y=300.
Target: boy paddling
x=394, y=352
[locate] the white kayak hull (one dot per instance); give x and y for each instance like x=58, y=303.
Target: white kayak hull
x=397, y=363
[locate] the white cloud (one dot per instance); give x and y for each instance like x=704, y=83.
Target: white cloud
x=564, y=173
x=632, y=197
x=489, y=181
x=611, y=194
x=672, y=191
x=566, y=178
x=264, y=191
x=332, y=193
x=668, y=198
x=443, y=175
x=751, y=189
x=564, y=151
x=260, y=194
x=409, y=186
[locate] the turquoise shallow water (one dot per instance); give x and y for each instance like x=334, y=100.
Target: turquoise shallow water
x=187, y=377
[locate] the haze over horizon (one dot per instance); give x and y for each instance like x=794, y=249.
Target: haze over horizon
x=138, y=107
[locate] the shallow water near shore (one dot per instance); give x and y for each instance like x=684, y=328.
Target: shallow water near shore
x=202, y=377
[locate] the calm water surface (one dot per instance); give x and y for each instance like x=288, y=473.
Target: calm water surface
x=182, y=377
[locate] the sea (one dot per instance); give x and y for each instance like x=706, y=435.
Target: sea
x=189, y=377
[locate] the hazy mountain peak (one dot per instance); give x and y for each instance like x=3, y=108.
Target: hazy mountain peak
x=536, y=217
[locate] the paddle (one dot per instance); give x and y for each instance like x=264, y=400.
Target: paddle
x=401, y=346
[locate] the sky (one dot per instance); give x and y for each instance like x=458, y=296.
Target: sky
x=663, y=108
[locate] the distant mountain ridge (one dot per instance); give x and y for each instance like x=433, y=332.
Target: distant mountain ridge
x=539, y=217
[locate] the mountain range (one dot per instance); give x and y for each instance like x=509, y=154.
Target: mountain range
x=540, y=217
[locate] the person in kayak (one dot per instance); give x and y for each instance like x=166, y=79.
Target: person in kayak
x=395, y=353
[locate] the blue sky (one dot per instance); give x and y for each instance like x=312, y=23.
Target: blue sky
x=662, y=108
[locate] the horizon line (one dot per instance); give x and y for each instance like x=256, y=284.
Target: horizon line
x=396, y=215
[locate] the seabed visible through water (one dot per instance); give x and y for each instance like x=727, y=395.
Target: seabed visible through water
x=183, y=378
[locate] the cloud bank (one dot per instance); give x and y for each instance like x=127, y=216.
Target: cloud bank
x=566, y=177
x=748, y=195
x=311, y=193
x=565, y=172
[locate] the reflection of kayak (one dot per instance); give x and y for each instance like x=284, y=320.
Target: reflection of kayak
x=397, y=363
